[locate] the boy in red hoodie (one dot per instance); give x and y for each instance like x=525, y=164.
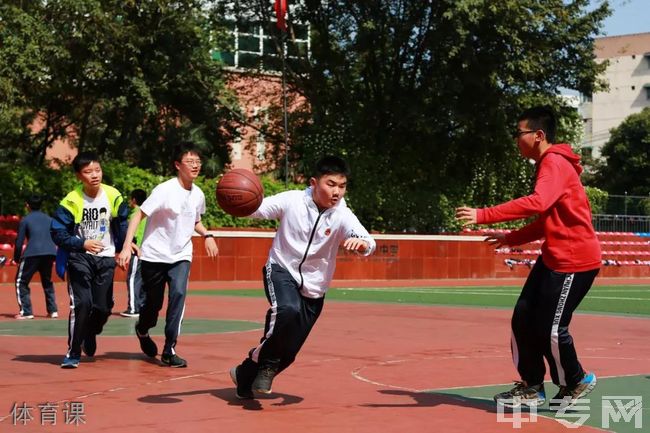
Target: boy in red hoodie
x=561, y=276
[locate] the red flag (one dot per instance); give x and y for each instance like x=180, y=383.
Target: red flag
x=280, y=12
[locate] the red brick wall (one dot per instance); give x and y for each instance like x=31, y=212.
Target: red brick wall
x=398, y=257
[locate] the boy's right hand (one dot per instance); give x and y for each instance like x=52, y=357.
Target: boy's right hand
x=124, y=258
x=93, y=245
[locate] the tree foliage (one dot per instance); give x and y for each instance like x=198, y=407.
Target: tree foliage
x=22, y=181
x=627, y=157
x=421, y=96
x=127, y=79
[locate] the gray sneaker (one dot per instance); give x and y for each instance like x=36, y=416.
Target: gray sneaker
x=522, y=394
x=568, y=396
x=264, y=380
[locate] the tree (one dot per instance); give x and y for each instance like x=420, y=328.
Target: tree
x=627, y=157
x=124, y=78
x=422, y=96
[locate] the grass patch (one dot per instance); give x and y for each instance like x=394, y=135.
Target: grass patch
x=632, y=300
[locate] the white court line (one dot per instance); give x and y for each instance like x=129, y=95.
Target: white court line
x=356, y=374
x=158, y=382
x=122, y=388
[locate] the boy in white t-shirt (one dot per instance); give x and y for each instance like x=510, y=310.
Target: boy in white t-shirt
x=89, y=227
x=173, y=211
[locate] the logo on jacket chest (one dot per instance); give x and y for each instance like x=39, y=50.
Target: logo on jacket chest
x=327, y=231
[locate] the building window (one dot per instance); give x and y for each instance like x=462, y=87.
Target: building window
x=647, y=92
x=235, y=152
x=633, y=87
x=254, y=46
x=260, y=147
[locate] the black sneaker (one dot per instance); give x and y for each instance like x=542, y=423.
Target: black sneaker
x=264, y=380
x=147, y=345
x=243, y=392
x=89, y=345
x=567, y=397
x=174, y=361
x=522, y=394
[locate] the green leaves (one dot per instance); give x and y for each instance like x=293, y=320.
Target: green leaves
x=627, y=156
x=112, y=76
x=421, y=97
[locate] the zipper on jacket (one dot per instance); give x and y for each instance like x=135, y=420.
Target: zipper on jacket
x=311, y=238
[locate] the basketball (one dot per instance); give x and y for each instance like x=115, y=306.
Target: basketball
x=239, y=192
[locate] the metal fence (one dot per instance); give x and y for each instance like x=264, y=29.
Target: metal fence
x=623, y=213
x=621, y=223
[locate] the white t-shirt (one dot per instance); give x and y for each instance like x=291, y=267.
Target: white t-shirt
x=96, y=223
x=172, y=212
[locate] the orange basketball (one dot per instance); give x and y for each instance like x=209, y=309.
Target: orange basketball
x=239, y=192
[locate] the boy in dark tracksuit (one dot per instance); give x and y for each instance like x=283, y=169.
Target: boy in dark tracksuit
x=37, y=257
x=89, y=227
x=313, y=224
x=561, y=276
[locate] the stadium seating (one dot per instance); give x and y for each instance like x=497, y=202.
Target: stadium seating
x=618, y=249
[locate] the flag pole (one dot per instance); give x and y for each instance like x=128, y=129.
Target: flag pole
x=281, y=9
x=284, y=112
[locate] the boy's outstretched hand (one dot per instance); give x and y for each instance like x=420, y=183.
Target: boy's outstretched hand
x=497, y=240
x=466, y=214
x=355, y=244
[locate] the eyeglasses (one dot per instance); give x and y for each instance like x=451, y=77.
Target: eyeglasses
x=518, y=134
x=192, y=162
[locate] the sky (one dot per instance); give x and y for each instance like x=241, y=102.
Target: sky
x=629, y=16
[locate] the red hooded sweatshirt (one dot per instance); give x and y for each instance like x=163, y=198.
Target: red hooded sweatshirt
x=563, y=214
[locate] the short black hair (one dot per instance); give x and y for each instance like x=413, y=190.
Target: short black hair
x=34, y=201
x=541, y=117
x=331, y=164
x=183, y=148
x=139, y=195
x=83, y=159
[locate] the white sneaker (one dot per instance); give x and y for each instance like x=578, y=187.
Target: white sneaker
x=23, y=317
x=53, y=315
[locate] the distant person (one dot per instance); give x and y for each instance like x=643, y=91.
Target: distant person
x=313, y=224
x=135, y=294
x=561, y=276
x=89, y=225
x=38, y=257
x=173, y=212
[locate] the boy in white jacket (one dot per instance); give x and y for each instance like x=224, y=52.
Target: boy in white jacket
x=302, y=259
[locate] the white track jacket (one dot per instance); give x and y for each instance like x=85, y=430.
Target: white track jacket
x=307, y=240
